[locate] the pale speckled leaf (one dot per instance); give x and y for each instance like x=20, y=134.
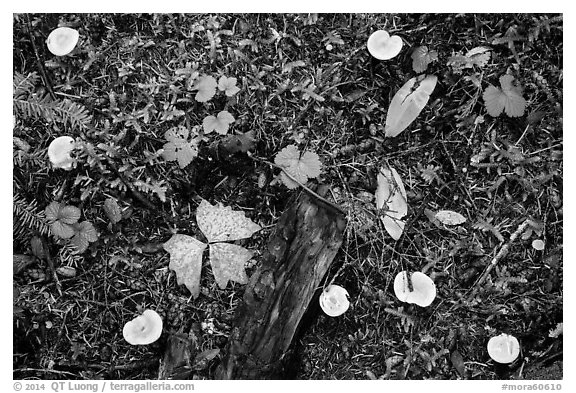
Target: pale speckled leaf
x=391, y=196
x=449, y=217
x=186, y=260
x=220, y=223
x=228, y=261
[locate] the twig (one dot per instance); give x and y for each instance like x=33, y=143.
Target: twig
x=51, y=265
x=39, y=61
x=503, y=251
x=310, y=191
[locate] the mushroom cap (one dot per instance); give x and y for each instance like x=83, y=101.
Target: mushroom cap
x=62, y=40
x=334, y=300
x=144, y=329
x=424, y=289
x=59, y=152
x=503, y=348
x=382, y=46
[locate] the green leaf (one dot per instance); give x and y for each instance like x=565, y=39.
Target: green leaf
x=301, y=167
x=508, y=99
x=228, y=86
x=219, y=124
x=84, y=234
x=112, y=210
x=206, y=86
x=408, y=102
x=179, y=148
x=239, y=142
x=421, y=57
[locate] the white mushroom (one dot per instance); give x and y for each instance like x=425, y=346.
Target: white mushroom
x=334, y=300
x=59, y=152
x=62, y=40
x=503, y=348
x=144, y=329
x=420, y=291
x=382, y=46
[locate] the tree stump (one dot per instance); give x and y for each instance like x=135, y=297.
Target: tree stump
x=299, y=253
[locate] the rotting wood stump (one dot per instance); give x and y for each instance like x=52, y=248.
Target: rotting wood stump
x=299, y=253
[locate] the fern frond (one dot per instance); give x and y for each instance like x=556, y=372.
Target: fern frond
x=44, y=108
x=27, y=219
x=24, y=84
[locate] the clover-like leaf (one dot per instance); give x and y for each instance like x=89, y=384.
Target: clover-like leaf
x=421, y=57
x=84, y=234
x=220, y=223
x=219, y=123
x=186, y=261
x=61, y=217
x=391, y=197
x=300, y=166
x=179, y=148
x=206, y=86
x=228, y=261
x=228, y=86
x=507, y=99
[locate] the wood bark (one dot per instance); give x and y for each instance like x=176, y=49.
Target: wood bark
x=298, y=255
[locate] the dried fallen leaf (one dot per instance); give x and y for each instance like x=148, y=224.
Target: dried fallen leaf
x=220, y=223
x=186, y=260
x=449, y=217
x=391, y=197
x=408, y=102
x=228, y=261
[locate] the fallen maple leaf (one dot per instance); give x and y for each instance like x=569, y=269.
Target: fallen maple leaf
x=218, y=123
x=186, y=260
x=218, y=224
x=391, y=196
x=179, y=148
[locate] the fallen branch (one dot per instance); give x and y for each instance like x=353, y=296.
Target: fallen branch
x=503, y=251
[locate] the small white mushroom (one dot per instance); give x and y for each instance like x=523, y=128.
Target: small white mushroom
x=62, y=40
x=144, y=329
x=503, y=348
x=334, y=300
x=59, y=152
x=382, y=46
x=421, y=290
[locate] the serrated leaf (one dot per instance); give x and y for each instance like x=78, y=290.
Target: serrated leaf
x=61, y=218
x=301, y=167
x=51, y=212
x=179, y=148
x=112, y=210
x=391, y=197
x=508, y=99
x=219, y=124
x=239, y=142
x=220, y=223
x=84, y=234
x=421, y=57
x=228, y=261
x=228, y=86
x=206, y=86
x=449, y=217
x=69, y=214
x=186, y=261
x=408, y=102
